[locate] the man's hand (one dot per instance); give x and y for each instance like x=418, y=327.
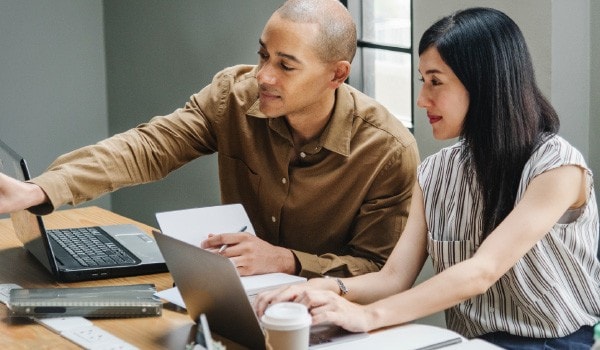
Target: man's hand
x=17, y=195
x=250, y=254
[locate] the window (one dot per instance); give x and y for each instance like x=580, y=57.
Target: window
x=382, y=67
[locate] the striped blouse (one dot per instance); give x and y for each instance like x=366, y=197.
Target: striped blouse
x=554, y=289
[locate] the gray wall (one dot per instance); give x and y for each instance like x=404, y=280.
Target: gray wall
x=158, y=54
x=594, y=125
x=52, y=78
x=570, y=56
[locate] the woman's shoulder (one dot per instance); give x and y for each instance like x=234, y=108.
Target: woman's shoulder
x=556, y=147
x=446, y=161
x=552, y=141
x=445, y=154
x=552, y=152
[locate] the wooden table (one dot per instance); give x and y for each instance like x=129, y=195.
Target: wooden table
x=169, y=331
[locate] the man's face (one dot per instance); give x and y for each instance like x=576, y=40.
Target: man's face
x=293, y=80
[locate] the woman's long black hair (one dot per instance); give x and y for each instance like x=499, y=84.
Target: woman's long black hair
x=507, y=116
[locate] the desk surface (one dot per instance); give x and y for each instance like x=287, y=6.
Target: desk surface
x=170, y=331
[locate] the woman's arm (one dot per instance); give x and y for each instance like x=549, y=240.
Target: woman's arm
x=398, y=274
x=404, y=264
x=546, y=199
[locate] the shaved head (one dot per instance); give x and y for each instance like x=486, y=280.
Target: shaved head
x=337, y=39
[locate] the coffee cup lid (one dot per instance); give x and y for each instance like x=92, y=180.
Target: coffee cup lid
x=286, y=316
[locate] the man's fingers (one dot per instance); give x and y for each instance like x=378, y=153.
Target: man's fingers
x=218, y=240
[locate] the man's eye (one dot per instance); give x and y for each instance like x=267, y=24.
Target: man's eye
x=286, y=68
x=262, y=55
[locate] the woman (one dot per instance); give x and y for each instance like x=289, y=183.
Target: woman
x=508, y=214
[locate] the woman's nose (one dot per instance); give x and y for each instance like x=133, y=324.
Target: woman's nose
x=423, y=100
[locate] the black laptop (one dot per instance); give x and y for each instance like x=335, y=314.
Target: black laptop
x=84, y=253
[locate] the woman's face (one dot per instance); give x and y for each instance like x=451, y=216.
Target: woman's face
x=443, y=96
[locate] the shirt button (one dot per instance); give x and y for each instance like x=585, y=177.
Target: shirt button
x=284, y=180
x=274, y=219
x=302, y=155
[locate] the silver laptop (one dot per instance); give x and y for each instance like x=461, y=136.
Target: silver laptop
x=85, y=253
x=209, y=284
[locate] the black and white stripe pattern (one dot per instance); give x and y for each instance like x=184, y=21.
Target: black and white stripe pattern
x=554, y=289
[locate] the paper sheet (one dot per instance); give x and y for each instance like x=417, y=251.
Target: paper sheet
x=193, y=225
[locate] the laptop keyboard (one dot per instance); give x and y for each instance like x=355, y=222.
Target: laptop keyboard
x=91, y=248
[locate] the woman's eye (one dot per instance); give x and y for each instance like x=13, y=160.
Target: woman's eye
x=433, y=81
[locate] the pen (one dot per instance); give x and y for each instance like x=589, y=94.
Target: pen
x=224, y=246
x=442, y=344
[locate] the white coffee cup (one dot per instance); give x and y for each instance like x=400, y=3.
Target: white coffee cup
x=287, y=326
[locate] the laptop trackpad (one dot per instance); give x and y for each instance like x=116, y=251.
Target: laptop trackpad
x=138, y=242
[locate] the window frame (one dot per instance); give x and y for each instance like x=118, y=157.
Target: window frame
x=356, y=78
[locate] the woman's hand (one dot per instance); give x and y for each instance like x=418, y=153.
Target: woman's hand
x=287, y=293
x=324, y=305
x=328, y=307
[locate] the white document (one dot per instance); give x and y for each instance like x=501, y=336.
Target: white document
x=474, y=344
x=171, y=295
x=193, y=225
x=406, y=337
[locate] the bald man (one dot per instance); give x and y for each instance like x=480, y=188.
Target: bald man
x=324, y=172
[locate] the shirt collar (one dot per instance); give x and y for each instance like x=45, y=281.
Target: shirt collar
x=337, y=133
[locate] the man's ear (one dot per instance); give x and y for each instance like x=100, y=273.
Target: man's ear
x=341, y=72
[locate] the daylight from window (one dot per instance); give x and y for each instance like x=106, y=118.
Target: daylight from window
x=384, y=30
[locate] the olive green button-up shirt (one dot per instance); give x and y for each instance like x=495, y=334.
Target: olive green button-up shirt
x=340, y=207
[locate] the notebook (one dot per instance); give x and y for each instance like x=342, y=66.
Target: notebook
x=209, y=284
x=99, y=252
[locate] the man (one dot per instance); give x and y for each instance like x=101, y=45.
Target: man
x=324, y=172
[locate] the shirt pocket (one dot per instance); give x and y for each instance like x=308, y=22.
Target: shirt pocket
x=447, y=253
x=238, y=182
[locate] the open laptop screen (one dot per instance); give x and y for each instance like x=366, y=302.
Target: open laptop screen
x=27, y=225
